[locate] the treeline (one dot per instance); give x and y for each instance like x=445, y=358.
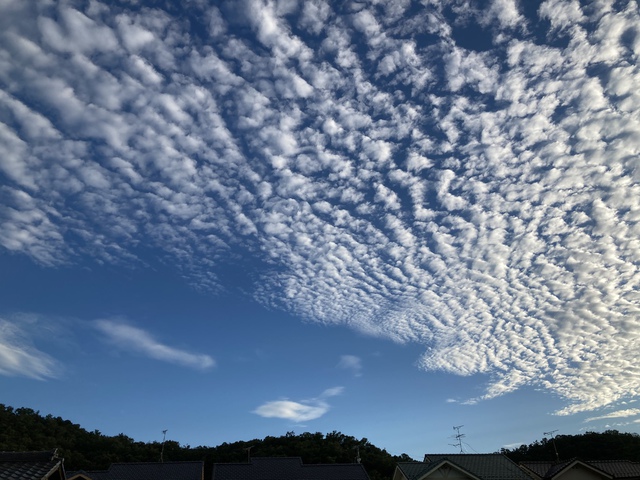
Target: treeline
x=23, y=429
x=608, y=445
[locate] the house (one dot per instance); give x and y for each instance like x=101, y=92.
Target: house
x=31, y=466
x=484, y=466
x=576, y=469
x=144, y=471
x=287, y=468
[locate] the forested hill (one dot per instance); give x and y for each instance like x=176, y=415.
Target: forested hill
x=23, y=429
x=609, y=445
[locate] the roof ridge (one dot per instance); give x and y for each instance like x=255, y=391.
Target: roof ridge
x=157, y=463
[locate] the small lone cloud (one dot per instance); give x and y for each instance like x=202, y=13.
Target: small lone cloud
x=302, y=411
x=352, y=363
x=332, y=392
x=510, y=446
x=127, y=337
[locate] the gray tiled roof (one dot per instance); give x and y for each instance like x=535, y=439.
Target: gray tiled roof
x=540, y=468
x=485, y=466
x=618, y=468
x=287, y=468
x=29, y=465
x=147, y=471
x=615, y=468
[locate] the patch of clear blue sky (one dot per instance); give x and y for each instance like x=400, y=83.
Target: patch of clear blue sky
x=261, y=355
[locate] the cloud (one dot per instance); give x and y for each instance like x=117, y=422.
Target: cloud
x=127, y=337
x=352, y=363
x=18, y=357
x=302, y=411
x=630, y=412
x=482, y=204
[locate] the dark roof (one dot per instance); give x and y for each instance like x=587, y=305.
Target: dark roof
x=548, y=469
x=146, y=471
x=287, y=468
x=538, y=467
x=484, y=466
x=613, y=468
x=618, y=468
x=29, y=465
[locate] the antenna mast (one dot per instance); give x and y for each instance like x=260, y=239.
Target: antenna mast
x=458, y=436
x=553, y=440
x=164, y=437
x=248, y=449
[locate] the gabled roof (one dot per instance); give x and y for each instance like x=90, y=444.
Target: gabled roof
x=560, y=469
x=539, y=468
x=608, y=468
x=417, y=471
x=287, y=468
x=145, y=471
x=30, y=465
x=618, y=468
x=484, y=466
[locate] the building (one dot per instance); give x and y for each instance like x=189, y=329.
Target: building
x=287, y=468
x=31, y=466
x=144, y=471
x=484, y=466
x=576, y=469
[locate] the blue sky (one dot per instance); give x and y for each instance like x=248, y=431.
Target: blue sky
x=237, y=219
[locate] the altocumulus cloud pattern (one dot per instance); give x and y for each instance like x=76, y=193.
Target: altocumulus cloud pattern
x=466, y=179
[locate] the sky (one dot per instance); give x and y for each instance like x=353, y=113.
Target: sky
x=237, y=219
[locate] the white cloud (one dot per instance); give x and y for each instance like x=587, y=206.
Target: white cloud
x=561, y=14
x=351, y=363
x=630, y=412
x=18, y=357
x=302, y=411
x=127, y=337
x=484, y=205
x=293, y=411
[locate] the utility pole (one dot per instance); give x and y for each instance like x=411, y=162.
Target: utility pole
x=458, y=436
x=553, y=440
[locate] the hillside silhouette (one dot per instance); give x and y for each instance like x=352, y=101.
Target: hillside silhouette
x=23, y=429
x=608, y=445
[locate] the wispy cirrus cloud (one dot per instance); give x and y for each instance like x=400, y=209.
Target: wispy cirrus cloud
x=301, y=411
x=19, y=357
x=630, y=412
x=130, y=338
x=387, y=175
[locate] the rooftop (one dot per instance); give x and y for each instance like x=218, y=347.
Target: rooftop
x=484, y=466
x=29, y=465
x=146, y=471
x=287, y=468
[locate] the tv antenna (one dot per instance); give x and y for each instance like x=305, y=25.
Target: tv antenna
x=164, y=437
x=553, y=440
x=458, y=436
x=248, y=449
